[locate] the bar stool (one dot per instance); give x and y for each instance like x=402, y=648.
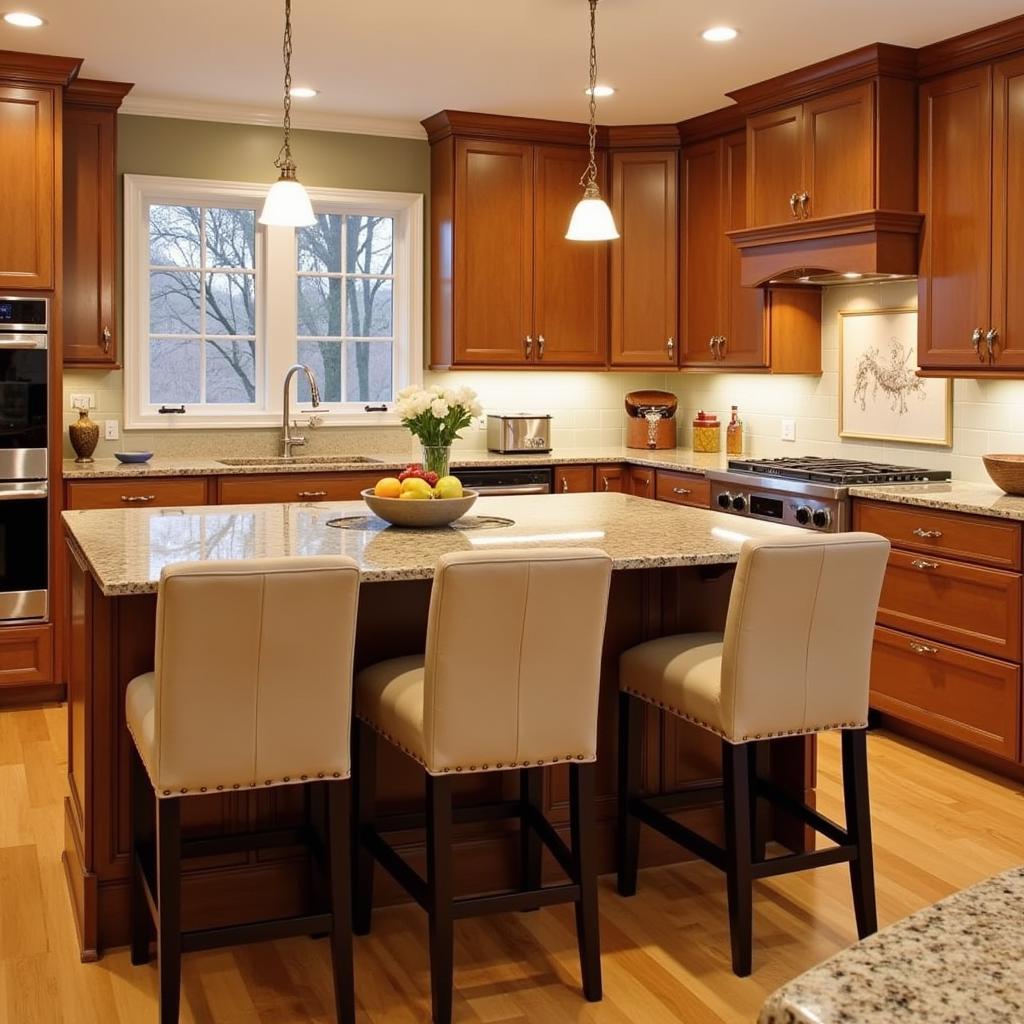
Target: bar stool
x=252, y=689
x=794, y=660
x=508, y=682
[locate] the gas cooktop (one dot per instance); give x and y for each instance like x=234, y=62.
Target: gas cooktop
x=838, y=472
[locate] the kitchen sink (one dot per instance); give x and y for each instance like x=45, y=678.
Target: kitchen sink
x=301, y=460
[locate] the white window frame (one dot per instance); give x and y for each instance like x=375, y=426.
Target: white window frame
x=276, y=299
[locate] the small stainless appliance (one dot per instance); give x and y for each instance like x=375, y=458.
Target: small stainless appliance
x=520, y=432
x=24, y=396
x=507, y=480
x=812, y=492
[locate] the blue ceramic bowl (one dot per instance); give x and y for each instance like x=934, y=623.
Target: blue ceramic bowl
x=133, y=457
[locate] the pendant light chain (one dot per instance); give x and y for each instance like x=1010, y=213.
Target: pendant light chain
x=284, y=161
x=589, y=179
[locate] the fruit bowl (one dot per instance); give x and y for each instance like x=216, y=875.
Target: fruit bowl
x=1006, y=471
x=420, y=513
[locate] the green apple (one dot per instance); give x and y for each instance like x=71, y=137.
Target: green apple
x=448, y=487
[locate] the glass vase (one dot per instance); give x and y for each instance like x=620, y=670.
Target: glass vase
x=436, y=459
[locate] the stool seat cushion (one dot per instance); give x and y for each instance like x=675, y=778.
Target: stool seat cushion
x=681, y=673
x=140, y=713
x=389, y=698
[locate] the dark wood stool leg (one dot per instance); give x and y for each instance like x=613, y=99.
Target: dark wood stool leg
x=531, y=787
x=739, y=879
x=858, y=825
x=364, y=741
x=168, y=935
x=143, y=804
x=440, y=874
x=760, y=810
x=340, y=881
x=630, y=766
x=584, y=855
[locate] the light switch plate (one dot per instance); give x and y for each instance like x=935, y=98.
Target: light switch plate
x=789, y=430
x=110, y=430
x=82, y=399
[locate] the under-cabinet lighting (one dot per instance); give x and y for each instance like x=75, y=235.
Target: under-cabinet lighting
x=22, y=19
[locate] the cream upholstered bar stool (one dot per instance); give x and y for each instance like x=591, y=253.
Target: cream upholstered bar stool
x=794, y=660
x=251, y=689
x=508, y=682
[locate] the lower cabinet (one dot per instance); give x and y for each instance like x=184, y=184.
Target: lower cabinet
x=26, y=655
x=255, y=490
x=609, y=478
x=573, y=479
x=683, y=488
x=640, y=482
x=126, y=493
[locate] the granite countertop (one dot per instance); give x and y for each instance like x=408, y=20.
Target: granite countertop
x=670, y=458
x=954, y=496
x=961, y=960
x=125, y=549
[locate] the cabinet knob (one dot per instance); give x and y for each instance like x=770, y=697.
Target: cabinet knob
x=991, y=338
x=976, y=343
x=671, y=346
x=106, y=339
x=529, y=346
x=540, y=346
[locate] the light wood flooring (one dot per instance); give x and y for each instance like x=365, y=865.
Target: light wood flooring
x=938, y=827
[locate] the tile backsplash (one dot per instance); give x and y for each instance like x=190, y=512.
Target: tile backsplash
x=988, y=416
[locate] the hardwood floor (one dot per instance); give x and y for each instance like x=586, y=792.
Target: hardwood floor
x=938, y=827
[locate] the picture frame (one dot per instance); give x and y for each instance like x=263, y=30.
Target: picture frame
x=881, y=398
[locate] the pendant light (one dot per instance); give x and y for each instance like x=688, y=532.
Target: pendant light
x=592, y=220
x=287, y=203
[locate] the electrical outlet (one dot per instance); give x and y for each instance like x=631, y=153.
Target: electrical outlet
x=789, y=430
x=480, y=422
x=82, y=400
x=110, y=430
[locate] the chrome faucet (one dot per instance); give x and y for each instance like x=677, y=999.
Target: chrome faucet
x=288, y=439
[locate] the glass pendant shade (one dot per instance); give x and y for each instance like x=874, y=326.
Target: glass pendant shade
x=287, y=205
x=592, y=221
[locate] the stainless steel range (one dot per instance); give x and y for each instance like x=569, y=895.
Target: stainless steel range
x=813, y=493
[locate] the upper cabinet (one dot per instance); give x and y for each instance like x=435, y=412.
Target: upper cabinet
x=90, y=263
x=508, y=289
x=971, y=311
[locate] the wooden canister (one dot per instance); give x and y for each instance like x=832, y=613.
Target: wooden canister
x=659, y=434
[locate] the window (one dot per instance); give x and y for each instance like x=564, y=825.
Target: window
x=217, y=306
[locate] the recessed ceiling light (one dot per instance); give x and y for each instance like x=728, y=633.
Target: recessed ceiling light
x=852, y=277
x=601, y=91
x=23, y=19
x=719, y=34
x=302, y=92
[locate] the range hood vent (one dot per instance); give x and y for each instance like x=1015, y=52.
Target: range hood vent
x=876, y=245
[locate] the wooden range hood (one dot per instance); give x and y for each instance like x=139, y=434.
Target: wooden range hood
x=832, y=172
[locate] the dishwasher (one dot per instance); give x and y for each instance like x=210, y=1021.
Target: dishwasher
x=507, y=480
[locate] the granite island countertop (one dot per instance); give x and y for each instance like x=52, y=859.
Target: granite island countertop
x=959, y=961
x=681, y=459
x=125, y=549
x=952, y=496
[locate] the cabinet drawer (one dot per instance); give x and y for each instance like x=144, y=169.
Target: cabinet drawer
x=972, y=538
x=26, y=655
x=573, y=479
x=959, y=604
x=967, y=697
x=255, y=490
x=683, y=489
x=149, y=491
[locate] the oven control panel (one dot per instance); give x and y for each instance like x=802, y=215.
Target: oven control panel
x=790, y=510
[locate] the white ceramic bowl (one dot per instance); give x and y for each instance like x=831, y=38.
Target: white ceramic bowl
x=420, y=514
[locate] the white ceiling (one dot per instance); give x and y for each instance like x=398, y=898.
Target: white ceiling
x=397, y=61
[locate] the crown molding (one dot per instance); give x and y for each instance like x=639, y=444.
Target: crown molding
x=33, y=68
x=227, y=113
x=991, y=42
x=96, y=95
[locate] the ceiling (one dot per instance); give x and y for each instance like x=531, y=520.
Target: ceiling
x=385, y=64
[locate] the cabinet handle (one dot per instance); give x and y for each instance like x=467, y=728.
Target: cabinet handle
x=529, y=346
x=312, y=494
x=990, y=340
x=565, y=485
x=793, y=200
x=722, y=340
x=919, y=648
x=712, y=344
x=106, y=339
x=607, y=482
x=927, y=534
x=540, y=346
x=803, y=199
x=138, y=498
x=976, y=343
x=682, y=490
x=920, y=563
x=671, y=346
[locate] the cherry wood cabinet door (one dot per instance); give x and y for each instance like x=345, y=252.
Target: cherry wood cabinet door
x=645, y=259
x=1008, y=215
x=954, y=287
x=493, y=287
x=28, y=187
x=609, y=479
x=838, y=152
x=775, y=165
x=89, y=244
x=573, y=479
x=570, y=291
x=640, y=482
x=701, y=316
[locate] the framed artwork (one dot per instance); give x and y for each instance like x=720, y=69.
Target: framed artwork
x=881, y=398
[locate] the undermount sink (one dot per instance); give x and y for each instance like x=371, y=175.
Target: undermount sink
x=300, y=460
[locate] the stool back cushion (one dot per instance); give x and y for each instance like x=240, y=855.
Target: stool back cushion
x=513, y=658
x=253, y=672
x=798, y=635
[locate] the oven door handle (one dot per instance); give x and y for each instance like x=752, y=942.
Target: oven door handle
x=37, y=341
x=11, y=492
x=498, y=489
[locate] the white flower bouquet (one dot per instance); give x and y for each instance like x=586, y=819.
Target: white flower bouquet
x=436, y=415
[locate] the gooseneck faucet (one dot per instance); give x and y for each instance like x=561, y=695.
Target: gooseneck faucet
x=288, y=439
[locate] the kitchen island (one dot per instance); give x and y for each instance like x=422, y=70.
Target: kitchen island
x=672, y=574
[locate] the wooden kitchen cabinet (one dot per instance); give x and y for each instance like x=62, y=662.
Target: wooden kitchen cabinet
x=610, y=479
x=26, y=655
x=90, y=211
x=573, y=479
x=640, y=482
x=692, y=489
x=645, y=259
x=142, y=492
x=255, y=490
x=775, y=170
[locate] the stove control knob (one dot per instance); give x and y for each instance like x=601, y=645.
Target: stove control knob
x=803, y=515
x=739, y=503
x=822, y=518
x=725, y=500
